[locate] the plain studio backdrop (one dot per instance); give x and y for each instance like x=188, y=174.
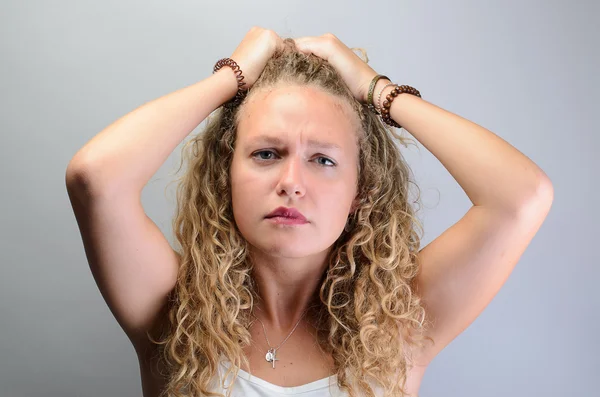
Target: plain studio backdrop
x=525, y=70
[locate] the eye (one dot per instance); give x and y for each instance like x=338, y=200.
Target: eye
x=325, y=158
x=263, y=151
x=273, y=153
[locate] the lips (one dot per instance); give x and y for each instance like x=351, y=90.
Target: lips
x=285, y=212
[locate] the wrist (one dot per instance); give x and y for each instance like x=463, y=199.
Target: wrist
x=228, y=79
x=377, y=99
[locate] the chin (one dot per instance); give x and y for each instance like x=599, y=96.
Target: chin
x=286, y=249
x=284, y=246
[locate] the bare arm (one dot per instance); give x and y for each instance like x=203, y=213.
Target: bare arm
x=133, y=264
x=127, y=153
x=465, y=267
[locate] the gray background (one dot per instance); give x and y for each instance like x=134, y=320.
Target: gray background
x=526, y=70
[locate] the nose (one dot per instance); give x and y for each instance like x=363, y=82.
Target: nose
x=291, y=180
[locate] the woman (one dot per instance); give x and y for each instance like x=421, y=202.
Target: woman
x=299, y=268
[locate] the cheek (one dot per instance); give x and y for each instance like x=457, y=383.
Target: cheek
x=336, y=202
x=237, y=192
x=245, y=184
x=242, y=208
x=237, y=179
x=244, y=192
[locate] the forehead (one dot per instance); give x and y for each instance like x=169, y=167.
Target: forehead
x=297, y=113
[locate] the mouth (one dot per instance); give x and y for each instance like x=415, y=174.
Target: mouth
x=290, y=215
x=283, y=220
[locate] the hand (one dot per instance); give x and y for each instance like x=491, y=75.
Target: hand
x=253, y=53
x=354, y=71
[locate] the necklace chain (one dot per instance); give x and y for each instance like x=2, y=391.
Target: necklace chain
x=290, y=334
x=271, y=353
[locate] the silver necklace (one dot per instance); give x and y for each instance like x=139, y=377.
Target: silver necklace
x=271, y=353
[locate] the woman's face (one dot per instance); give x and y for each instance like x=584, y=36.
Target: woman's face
x=295, y=147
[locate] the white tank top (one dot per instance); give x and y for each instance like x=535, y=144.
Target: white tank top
x=247, y=385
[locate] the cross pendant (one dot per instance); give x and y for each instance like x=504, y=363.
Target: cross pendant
x=270, y=357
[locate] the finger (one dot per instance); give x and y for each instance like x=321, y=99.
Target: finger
x=299, y=41
x=280, y=44
x=314, y=45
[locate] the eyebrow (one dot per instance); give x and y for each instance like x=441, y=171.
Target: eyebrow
x=272, y=140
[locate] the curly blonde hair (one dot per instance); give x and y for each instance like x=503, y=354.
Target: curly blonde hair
x=366, y=302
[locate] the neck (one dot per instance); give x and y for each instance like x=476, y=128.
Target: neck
x=286, y=288
x=283, y=323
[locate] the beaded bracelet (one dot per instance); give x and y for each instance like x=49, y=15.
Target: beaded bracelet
x=385, y=106
x=384, y=112
x=378, y=109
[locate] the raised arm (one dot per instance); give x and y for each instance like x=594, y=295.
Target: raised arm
x=132, y=262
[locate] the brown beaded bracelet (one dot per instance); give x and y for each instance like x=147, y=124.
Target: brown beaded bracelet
x=389, y=98
x=241, y=92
